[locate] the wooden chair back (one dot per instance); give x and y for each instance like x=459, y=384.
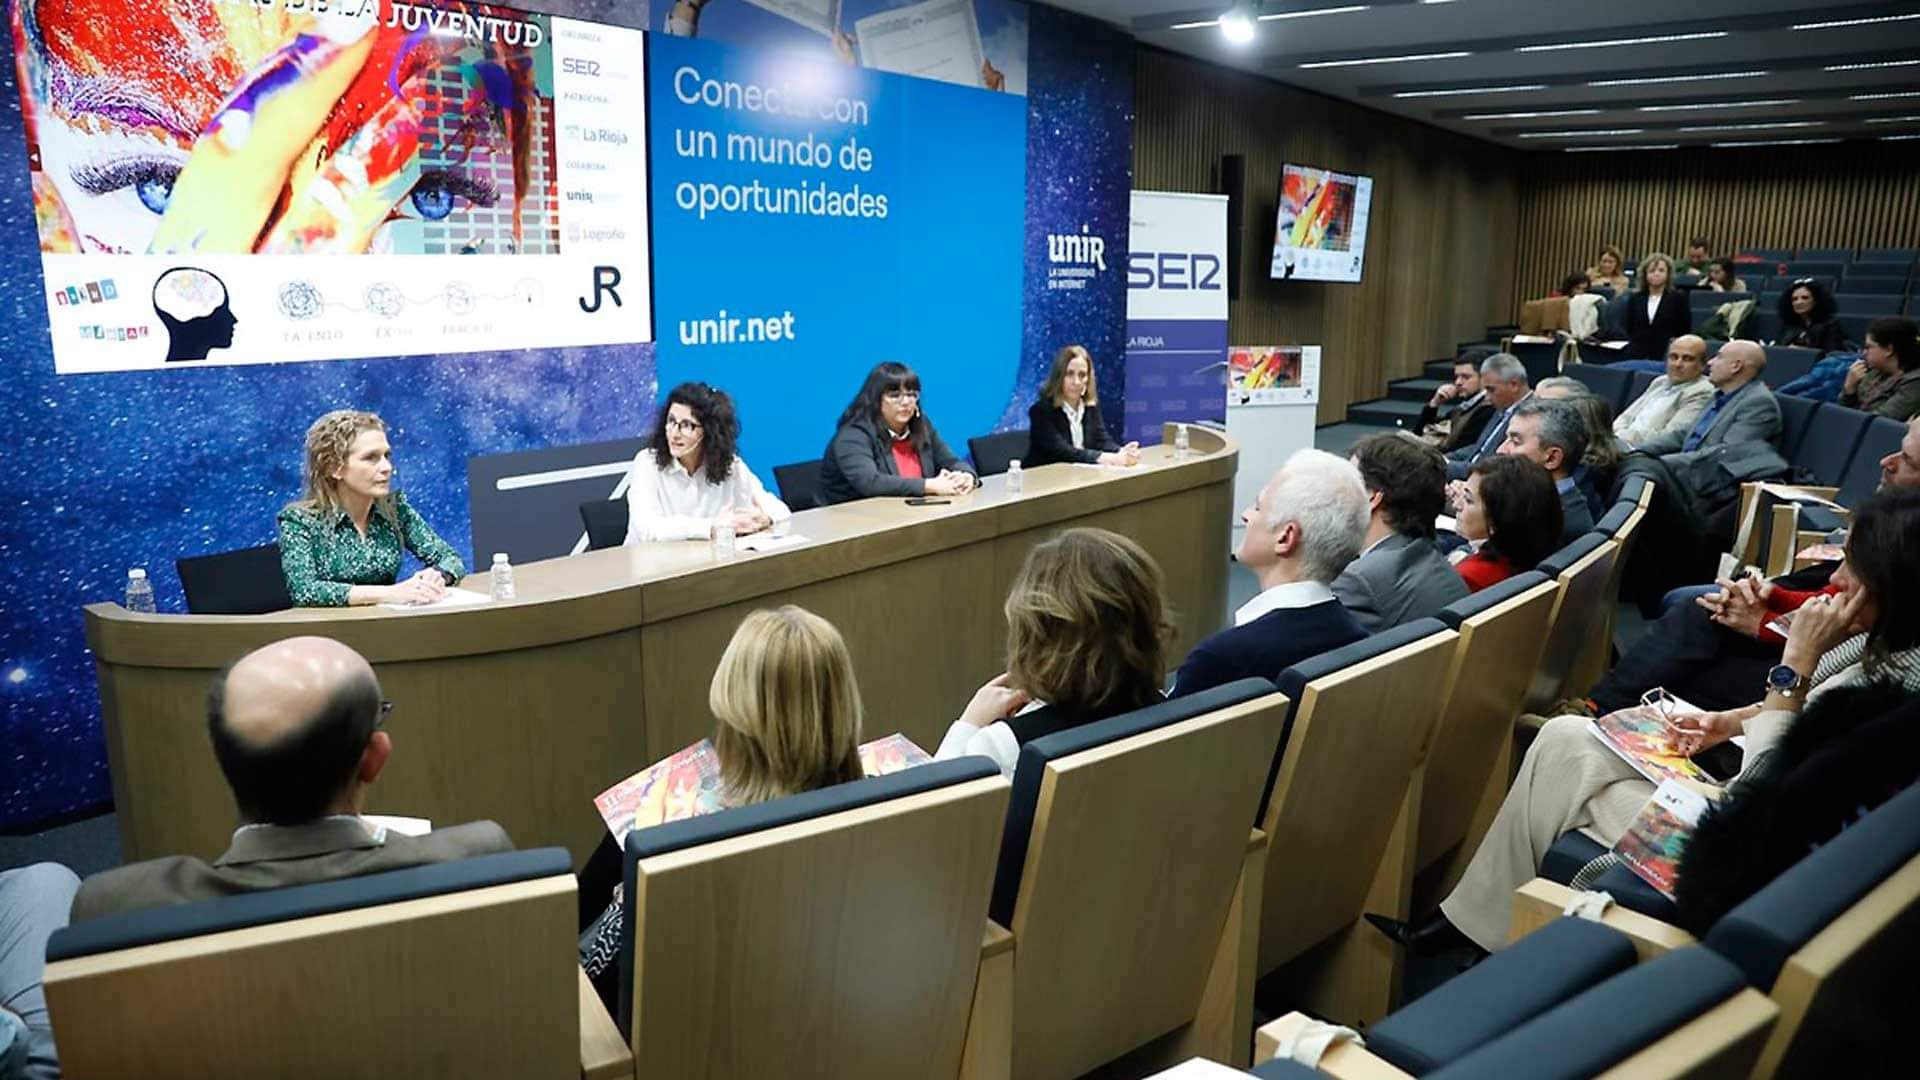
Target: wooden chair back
x=1132, y=861
x=430, y=982
x=776, y=941
x=1583, y=583
x=1596, y=655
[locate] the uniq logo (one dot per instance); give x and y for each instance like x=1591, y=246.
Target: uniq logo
x=1077, y=258
x=1173, y=270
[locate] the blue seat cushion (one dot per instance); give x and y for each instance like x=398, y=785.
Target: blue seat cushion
x=1632, y=486
x=181, y=921
x=1568, y=854
x=1615, y=519
x=1505, y=990
x=1778, y=921
x=1631, y=891
x=1556, y=564
x=1285, y=1069
x=1607, y=1024
x=1456, y=614
x=1031, y=770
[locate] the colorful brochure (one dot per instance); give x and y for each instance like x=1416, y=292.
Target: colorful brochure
x=1653, y=844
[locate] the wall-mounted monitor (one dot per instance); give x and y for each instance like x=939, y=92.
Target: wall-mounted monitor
x=1321, y=229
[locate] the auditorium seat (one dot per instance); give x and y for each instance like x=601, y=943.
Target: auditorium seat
x=1825, y=255
x=1110, y=840
x=1796, y=413
x=1820, y=268
x=841, y=932
x=992, y=453
x=1502, y=629
x=1609, y=384
x=605, y=521
x=799, y=484
x=1621, y=523
x=1770, y=255
x=1583, y=569
x=458, y=969
x=1704, y=302
x=1888, y=255
x=249, y=581
x=1786, y=363
x=1362, y=718
x=1763, y=324
x=1854, y=327
x=1894, y=285
x=1642, y=381
x=1831, y=437
x=1868, y=303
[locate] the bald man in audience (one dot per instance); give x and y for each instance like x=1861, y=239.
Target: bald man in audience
x=1741, y=410
x=1675, y=400
x=297, y=728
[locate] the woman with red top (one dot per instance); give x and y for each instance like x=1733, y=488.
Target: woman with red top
x=1509, y=508
x=886, y=446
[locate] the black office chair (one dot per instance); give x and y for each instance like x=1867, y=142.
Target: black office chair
x=605, y=521
x=244, y=582
x=799, y=484
x=991, y=453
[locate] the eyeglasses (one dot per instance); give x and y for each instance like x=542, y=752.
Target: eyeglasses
x=386, y=710
x=685, y=427
x=898, y=396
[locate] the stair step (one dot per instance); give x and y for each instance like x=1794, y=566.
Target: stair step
x=1414, y=389
x=1441, y=370
x=1384, y=412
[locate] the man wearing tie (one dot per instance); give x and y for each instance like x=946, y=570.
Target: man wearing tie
x=1504, y=379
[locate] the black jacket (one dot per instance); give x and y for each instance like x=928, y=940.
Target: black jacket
x=1827, y=335
x=1050, y=439
x=859, y=464
x=1647, y=339
x=1467, y=426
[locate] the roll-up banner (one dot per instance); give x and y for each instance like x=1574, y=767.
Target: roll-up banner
x=1176, y=311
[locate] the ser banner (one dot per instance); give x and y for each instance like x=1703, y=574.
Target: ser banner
x=1176, y=311
x=254, y=181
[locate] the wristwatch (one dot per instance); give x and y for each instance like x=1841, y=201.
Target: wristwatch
x=1787, y=682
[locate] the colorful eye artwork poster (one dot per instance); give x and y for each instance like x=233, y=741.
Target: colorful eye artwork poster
x=1273, y=374
x=259, y=181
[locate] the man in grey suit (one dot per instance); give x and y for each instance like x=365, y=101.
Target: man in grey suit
x=296, y=726
x=1743, y=410
x=1503, y=378
x=1554, y=434
x=1400, y=575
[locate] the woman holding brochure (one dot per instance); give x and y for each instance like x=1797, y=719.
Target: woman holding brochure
x=341, y=542
x=886, y=446
x=689, y=479
x=1865, y=635
x=1065, y=424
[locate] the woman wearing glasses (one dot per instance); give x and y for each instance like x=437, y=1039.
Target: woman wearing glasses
x=688, y=479
x=886, y=446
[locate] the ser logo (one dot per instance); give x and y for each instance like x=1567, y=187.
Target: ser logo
x=574, y=65
x=1173, y=270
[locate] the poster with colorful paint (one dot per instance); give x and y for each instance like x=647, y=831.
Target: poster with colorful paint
x=274, y=180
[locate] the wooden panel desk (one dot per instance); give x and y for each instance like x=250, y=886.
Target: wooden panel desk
x=522, y=711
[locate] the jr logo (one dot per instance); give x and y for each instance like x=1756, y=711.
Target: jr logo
x=606, y=279
x=1173, y=270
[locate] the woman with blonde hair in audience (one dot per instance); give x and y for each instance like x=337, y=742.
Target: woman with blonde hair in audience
x=787, y=719
x=1087, y=633
x=1657, y=313
x=1609, y=271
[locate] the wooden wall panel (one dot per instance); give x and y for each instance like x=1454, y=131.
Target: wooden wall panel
x=1440, y=245
x=1848, y=195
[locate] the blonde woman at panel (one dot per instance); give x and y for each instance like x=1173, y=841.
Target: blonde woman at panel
x=1087, y=635
x=341, y=542
x=689, y=479
x=1065, y=424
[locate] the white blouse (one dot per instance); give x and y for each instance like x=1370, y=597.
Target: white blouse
x=669, y=504
x=1075, y=414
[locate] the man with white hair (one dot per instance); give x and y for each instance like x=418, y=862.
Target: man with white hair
x=1307, y=524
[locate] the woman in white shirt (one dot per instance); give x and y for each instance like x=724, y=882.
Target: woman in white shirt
x=1087, y=637
x=688, y=479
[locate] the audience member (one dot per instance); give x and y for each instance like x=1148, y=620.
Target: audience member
x=1307, y=524
x=787, y=719
x=341, y=542
x=1400, y=575
x=1807, y=320
x=1887, y=379
x=1504, y=379
x=33, y=904
x=1721, y=276
x=885, y=445
x=1867, y=634
x=1065, y=425
x=1699, y=256
x=1600, y=464
x=1574, y=284
x=1087, y=636
x=298, y=727
x=1608, y=271
x=1553, y=434
x=1741, y=410
x=1510, y=510
x=1657, y=313
x=1560, y=388
x=1470, y=408
x=1675, y=400
x=688, y=479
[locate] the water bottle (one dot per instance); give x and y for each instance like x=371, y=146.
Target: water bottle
x=502, y=576
x=139, y=591
x=723, y=546
x=1180, y=443
x=1016, y=483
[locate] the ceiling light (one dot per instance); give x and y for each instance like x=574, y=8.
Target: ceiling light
x=1236, y=23
x=1773, y=142
x=1855, y=22
x=1471, y=90
x=1647, y=79
x=1875, y=64
x=1579, y=134
x=1608, y=43
x=1408, y=58
x=1314, y=11
x=1531, y=115
x=1885, y=96
x=1893, y=119
x=1898, y=138
x=1720, y=105
x=1632, y=146
x=1757, y=127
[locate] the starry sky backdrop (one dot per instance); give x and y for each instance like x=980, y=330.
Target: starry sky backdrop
x=107, y=472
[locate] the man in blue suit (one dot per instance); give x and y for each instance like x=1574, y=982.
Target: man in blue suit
x=1306, y=525
x=1504, y=379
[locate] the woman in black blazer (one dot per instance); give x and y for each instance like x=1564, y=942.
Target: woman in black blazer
x=1069, y=395
x=1806, y=318
x=1650, y=332
x=885, y=446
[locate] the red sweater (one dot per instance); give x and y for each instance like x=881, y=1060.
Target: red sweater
x=907, y=459
x=1480, y=570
